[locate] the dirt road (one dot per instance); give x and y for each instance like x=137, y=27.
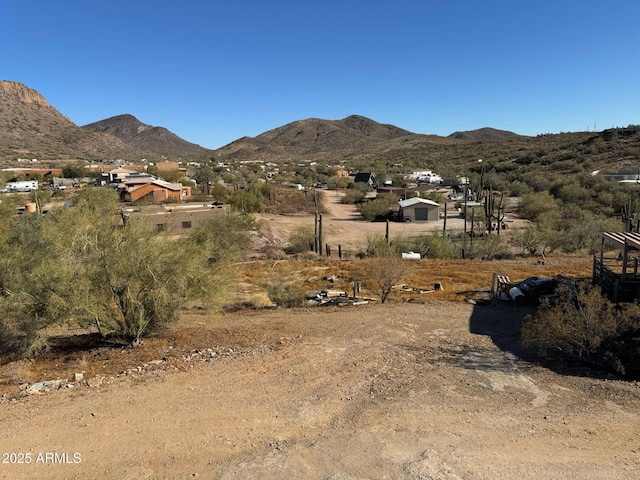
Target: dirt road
x=406, y=391
x=343, y=225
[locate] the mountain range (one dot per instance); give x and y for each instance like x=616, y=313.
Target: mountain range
x=32, y=128
x=146, y=137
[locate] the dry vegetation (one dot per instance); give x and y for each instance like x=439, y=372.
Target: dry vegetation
x=73, y=352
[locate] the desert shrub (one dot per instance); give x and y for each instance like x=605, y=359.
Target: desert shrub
x=571, y=192
x=491, y=247
x=431, y=246
x=353, y=195
x=7, y=214
x=539, y=238
x=535, y=178
x=224, y=237
x=583, y=324
x=284, y=293
x=380, y=208
x=82, y=267
x=219, y=193
x=582, y=229
x=301, y=239
x=244, y=201
x=518, y=188
x=377, y=246
x=535, y=204
x=428, y=246
x=274, y=253
x=75, y=170
x=284, y=283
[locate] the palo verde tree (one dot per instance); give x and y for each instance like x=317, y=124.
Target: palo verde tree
x=85, y=267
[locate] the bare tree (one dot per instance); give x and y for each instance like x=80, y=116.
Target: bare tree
x=382, y=274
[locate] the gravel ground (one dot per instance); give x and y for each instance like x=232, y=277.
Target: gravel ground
x=407, y=391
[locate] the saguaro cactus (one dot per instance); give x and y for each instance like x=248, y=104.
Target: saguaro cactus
x=494, y=212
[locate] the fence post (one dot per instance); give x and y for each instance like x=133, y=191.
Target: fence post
x=320, y=234
x=386, y=235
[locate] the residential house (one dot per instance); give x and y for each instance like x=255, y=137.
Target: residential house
x=167, y=166
x=173, y=219
x=364, y=177
x=401, y=192
x=134, y=188
x=116, y=175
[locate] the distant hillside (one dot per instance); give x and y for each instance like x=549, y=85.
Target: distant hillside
x=146, y=137
x=365, y=142
x=31, y=128
x=484, y=134
x=312, y=139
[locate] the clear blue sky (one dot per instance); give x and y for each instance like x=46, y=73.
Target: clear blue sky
x=214, y=71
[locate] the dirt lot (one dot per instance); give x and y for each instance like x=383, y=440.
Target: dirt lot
x=417, y=391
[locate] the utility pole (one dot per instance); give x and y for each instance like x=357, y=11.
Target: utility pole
x=466, y=195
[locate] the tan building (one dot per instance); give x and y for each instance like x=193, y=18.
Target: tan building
x=167, y=166
x=340, y=171
x=135, y=189
x=174, y=219
x=419, y=209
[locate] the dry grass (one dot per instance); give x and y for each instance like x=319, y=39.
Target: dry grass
x=289, y=201
x=456, y=276
x=74, y=353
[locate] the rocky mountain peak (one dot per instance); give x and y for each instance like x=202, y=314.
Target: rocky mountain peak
x=11, y=90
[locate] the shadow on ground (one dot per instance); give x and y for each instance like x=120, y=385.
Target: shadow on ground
x=502, y=322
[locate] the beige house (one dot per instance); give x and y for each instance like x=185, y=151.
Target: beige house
x=419, y=210
x=173, y=219
x=167, y=166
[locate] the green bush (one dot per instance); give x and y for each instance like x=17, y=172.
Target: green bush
x=244, y=201
x=284, y=294
x=535, y=204
x=353, y=195
x=301, y=239
x=518, y=188
x=82, y=267
x=377, y=246
x=491, y=247
x=380, y=208
x=429, y=246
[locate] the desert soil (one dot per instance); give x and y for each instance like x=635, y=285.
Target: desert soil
x=438, y=390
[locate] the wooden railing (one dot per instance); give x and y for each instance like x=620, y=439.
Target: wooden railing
x=611, y=282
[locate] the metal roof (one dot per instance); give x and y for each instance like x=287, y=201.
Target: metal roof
x=415, y=200
x=622, y=239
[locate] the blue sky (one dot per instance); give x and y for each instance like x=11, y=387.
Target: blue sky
x=214, y=71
